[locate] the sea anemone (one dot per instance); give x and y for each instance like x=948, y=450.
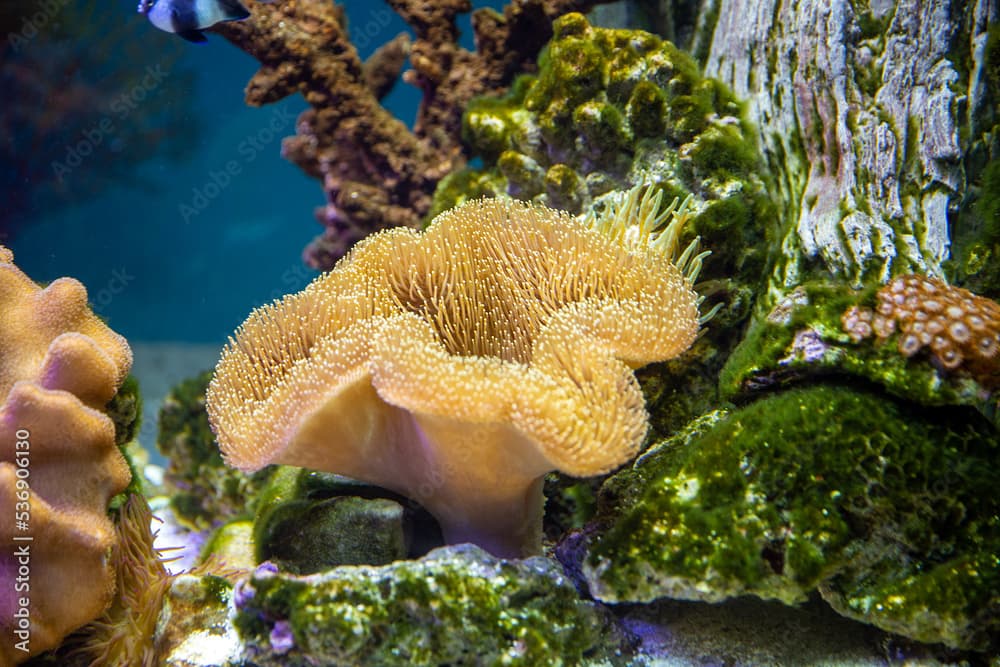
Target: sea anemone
x=459, y=365
x=125, y=632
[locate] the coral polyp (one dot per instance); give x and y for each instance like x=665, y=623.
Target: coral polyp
x=959, y=329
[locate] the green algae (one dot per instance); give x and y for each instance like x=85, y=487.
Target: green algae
x=570, y=503
x=803, y=339
x=523, y=174
x=564, y=188
x=204, y=492
x=646, y=110
x=232, y=544
x=977, y=251
x=460, y=186
x=457, y=606
x=988, y=205
x=608, y=86
x=723, y=148
x=612, y=108
x=125, y=411
x=976, y=228
x=883, y=506
x=308, y=521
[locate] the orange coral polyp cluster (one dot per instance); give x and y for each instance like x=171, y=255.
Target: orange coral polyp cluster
x=459, y=365
x=959, y=328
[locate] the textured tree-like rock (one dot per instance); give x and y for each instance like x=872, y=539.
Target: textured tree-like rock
x=866, y=112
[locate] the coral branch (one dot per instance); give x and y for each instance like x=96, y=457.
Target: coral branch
x=382, y=69
x=376, y=172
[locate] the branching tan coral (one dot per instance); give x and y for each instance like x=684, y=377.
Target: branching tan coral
x=459, y=365
x=960, y=329
x=59, y=467
x=377, y=172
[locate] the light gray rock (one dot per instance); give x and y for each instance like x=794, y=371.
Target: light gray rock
x=860, y=113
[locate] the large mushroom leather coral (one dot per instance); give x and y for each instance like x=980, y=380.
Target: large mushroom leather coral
x=59, y=466
x=459, y=365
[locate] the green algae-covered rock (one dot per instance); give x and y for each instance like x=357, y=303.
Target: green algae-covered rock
x=570, y=503
x=307, y=521
x=803, y=338
x=346, y=530
x=125, y=411
x=233, y=545
x=888, y=509
x=195, y=628
x=610, y=109
x=204, y=491
x=976, y=227
x=457, y=606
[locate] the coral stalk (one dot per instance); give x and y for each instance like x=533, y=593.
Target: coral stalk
x=460, y=365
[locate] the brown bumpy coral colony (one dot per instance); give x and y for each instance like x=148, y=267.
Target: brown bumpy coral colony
x=961, y=330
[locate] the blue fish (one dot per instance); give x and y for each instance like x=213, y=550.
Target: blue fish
x=188, y=18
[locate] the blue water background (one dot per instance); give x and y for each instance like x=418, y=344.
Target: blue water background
x=157, y=274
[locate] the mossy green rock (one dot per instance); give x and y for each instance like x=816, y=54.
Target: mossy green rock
x=456, y=606
x=232, y=544
x=888, y=509
x=125, y=411
x=313, y=536
x=976, y=227
x=610, y=109
x=308, y=521
x=803, y=339
x=204, y=491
